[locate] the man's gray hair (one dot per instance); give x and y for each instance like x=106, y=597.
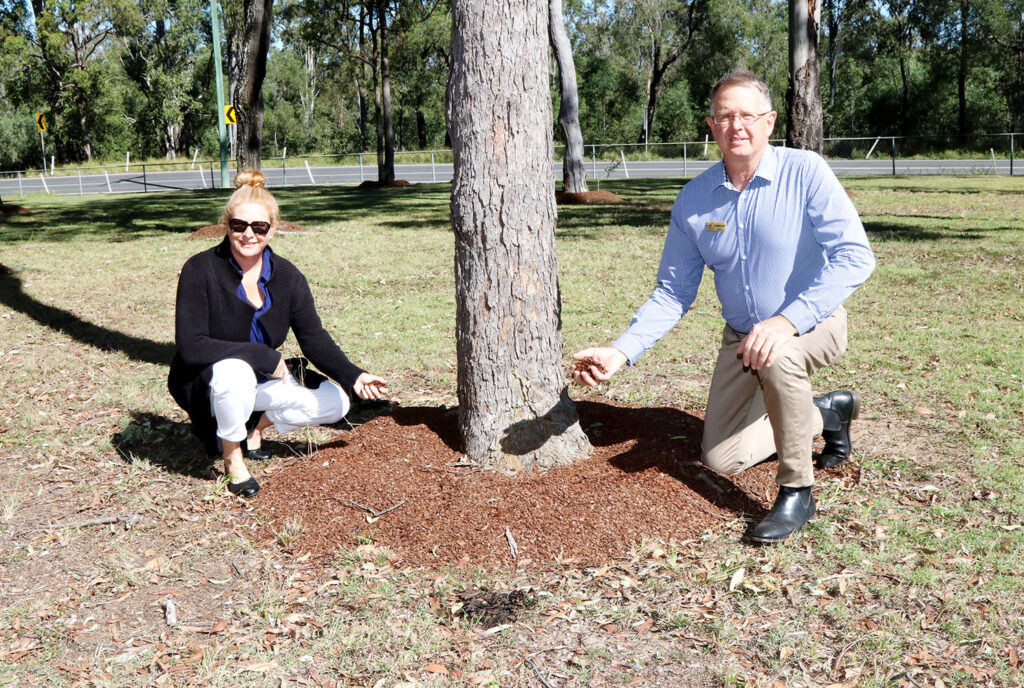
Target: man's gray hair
x=742, y=77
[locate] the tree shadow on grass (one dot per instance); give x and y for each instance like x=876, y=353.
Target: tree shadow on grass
x=666, y=439
x=13, y=295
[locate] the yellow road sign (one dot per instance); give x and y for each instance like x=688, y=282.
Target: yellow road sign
x=41, y=121
x=230, y=116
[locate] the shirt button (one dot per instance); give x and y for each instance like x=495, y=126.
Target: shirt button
x=747, y=287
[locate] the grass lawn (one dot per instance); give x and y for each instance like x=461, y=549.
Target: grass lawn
x=910, y=576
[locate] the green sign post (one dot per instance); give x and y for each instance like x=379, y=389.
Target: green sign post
x=221, y=127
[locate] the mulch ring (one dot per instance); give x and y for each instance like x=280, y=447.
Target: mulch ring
x=400, y=481
x=598, y=196
x=13, y=209
x=217, y=231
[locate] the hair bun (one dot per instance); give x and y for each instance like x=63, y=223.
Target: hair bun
x=253, y=178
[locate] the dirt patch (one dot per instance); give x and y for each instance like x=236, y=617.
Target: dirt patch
x=217, y=231
x=643, y=480
x=599, y=196
x=374, y=184
x=13, y=209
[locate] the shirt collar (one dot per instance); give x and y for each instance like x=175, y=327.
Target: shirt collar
x=767, y=168
x=266, y=271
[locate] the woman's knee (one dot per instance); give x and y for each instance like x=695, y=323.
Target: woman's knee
x=232, y=374
x=336, y=402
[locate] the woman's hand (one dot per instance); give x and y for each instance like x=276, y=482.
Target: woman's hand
x=281, y=370
x=591, y=367
x=370, y=387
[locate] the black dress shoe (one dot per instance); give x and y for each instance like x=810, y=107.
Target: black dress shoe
x=246, y=488
x=258, y=454
x=837, y=410
x=793, y=508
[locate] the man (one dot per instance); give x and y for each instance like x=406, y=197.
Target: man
x=787, y=248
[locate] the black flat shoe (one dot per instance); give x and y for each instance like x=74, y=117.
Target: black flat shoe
x=258, y=454
x=246, y=488
x=837, y=410
x=793, y=508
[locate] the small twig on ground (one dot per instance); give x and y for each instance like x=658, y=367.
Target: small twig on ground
x=905, y=675
x=842, y=653
x=536, y=672
x=444, y=469
x=373, y=512
x=511, y=543
x=129, y=522
x=237, y=570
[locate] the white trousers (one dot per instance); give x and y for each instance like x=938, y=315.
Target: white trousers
x=235, y=395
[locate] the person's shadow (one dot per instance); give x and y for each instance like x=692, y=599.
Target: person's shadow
x=668, y=440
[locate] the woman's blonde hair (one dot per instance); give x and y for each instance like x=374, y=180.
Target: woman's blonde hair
x=251, y=188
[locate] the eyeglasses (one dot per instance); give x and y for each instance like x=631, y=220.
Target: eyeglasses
x=745, y=118
x=239, y=225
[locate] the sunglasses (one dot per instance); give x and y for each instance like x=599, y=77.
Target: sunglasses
x=239, y=225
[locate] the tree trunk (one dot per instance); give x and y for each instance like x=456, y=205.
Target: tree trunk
x=514, y=406
x=252, y=70
x=385, y=168
x=803, y=98
x=421, y=129
x=574, y=175
x=961, y=80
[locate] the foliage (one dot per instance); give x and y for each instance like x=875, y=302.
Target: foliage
x=116, y=76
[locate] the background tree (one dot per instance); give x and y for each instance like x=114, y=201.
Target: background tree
x=514, y=407
x=803, y=97
x=248, y=93
x=574, y=175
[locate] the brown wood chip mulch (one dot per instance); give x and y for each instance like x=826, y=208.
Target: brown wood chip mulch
x=596, y=196
x=643, y=480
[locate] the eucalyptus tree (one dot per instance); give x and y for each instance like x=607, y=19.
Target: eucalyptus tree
x=161, y=57
x=248, y=92
x=574, y=176
x=67, y=43
x=803, y=97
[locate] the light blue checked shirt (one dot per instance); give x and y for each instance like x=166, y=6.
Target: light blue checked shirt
x=790, y=243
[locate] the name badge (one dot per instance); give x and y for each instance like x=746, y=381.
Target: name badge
x=714, y=226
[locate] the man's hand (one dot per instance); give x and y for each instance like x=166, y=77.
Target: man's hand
x=593, y=366
x=370, y=387
x=760, y=348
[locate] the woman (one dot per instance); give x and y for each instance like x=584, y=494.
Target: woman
x=235, y=305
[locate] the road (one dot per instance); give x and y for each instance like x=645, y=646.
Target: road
x=89, y=181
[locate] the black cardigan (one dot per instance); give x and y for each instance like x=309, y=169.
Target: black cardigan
x=211, y=324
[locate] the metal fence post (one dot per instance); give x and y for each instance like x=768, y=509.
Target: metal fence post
x=361, y=167
x=684, y=158
x=145, y=187
x=21, y=192
x=892, y=139
x=1011, y=155
x=80, y=192
x=433, y=171
x=284, y=168
x=593, y=158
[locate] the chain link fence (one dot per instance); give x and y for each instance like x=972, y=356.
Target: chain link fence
x=886, y=155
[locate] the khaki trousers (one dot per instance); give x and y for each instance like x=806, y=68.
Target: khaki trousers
x=754, y=414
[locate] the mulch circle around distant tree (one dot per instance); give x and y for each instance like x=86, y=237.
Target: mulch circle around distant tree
x=374, y=184
x=399, y=481
x=217, y=231
x=598, y=196
x=13, y=209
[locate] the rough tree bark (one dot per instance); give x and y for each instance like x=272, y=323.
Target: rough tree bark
x=248, y=97
x=385, y=166
x=803, y=98
x=514, y=407
x=574, y=175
